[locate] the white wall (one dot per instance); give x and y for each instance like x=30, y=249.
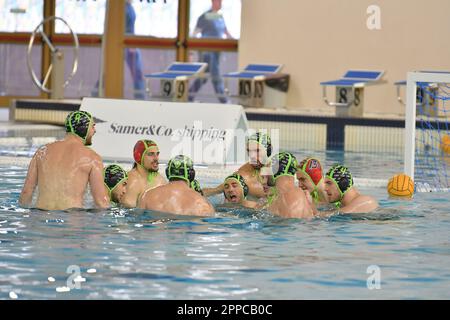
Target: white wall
x=317, y=40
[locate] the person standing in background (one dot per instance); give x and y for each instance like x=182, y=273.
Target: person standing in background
x=132, y=57
x=211, y=24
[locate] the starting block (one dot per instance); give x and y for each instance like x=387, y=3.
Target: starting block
x=425, y=96
x=174, y=82
x=350, y=91
x=261, y=85
x=419, y=95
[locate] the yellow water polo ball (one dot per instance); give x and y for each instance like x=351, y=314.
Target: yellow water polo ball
x=445, y=144
x=401, y=185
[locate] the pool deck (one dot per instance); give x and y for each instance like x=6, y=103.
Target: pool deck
x=321, y=112
x=5, y=124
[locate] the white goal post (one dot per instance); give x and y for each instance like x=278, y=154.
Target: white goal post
x=410, y=112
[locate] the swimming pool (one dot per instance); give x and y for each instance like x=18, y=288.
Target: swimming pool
x=237, y=254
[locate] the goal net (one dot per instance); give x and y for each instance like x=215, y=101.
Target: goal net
x=427, y=130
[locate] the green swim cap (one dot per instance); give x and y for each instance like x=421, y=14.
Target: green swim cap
x=342, y=178
x=113, y=175
x=180, y=167
x=79, y=123
x=236, y=176
x=262, y=139
x=195, y=185
x=284, y=164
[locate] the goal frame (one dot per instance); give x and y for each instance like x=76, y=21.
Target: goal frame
x=410, y=113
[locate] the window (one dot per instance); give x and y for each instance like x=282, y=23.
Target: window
x=214, y=90
x=20, y=15
x=149, y=61
x=15, y=78
x=85, y=81
x=230, y=11
x=156, y=19
x=84, y=17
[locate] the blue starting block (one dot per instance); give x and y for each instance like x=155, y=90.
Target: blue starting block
x=425, y=93
x=174, y=81
x=260, y=85
x=350, y=91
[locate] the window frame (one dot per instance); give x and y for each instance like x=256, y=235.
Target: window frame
x=113, y=59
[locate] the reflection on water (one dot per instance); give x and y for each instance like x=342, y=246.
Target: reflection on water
x=237, y=254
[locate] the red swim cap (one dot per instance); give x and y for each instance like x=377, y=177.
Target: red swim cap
x=140, y=148
x=312, y=168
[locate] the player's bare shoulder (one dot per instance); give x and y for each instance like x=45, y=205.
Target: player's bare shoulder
x=298, y=195
x=246, y=170
x=203, y=206
x=90, y=154
x=41, y=152
x=366, y=201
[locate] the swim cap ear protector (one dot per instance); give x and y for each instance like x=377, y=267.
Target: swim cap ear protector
x=195, y=185
x=342, y=178
x=236, y=176
x=284, y=164
x=79, y=123
x=140, y=149
x=262, y=139
x=180, y=167
x=312, y=168
x=113, y=175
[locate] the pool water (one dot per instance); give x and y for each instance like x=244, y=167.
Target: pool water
x=237, y=254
